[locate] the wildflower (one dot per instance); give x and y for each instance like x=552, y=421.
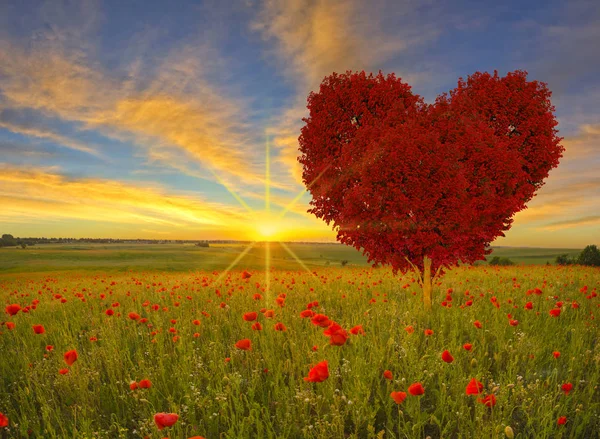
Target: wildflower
x=145, y=384
x=398, y=397
x=12, y=310
x=163, y=420
x=488, y=401
x=318, y=373
x=555, y=312
x=388, y=375
x=562, y=420
x=468, y=346
x=250, y=316
x=477, y=324
x=416, y=389
x=38, y=329
x=244, y=344
x=357, y=330
x=567, y=387
x=3, y=420
x=447, y=357
x=70, y=357
x=474, y=387
x=428, y=332
x=321, y=320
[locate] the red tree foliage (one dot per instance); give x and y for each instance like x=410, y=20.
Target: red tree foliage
x=425, y=186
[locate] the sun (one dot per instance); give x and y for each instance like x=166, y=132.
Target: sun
x=267, y=230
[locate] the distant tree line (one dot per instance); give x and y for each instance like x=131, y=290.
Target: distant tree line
x=590, y=256
x=8, y=240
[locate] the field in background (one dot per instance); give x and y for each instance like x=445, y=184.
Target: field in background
x=184, y=333
x=187, y=257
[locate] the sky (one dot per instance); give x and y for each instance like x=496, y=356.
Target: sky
x=155, y=119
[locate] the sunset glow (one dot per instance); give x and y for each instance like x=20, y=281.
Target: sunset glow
x=175, y=129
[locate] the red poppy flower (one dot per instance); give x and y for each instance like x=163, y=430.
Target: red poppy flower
x=3, y=420
x=562, y=420
x=409, y=329
x=10, y=325
x=196, y=334
x=246, y=275
x=163, y=420
x=196, y=322
x=13, y=309
x=321, y=320
x=145, y=384
x=529, y=305
x=357, y=330
x=416, y=389
x=250, y=316
x=474, y=387
x=388, y=375
x=257, y=296
x=269, y=313
x=38, y=329
x=555, y=312
x=428, y=332
x=488, y=401
x=477, y=324
x=398, y=397
x=556, y=354
x=319, y=373
x=257, y=326
x=133, y=385
x=244, y=344
x=70, y=357
x=93, y=339
x=49, y=348
x=279, y=327
x=513, y=322
x=134, y=316
x=468, y=346
x=307, y=313
x=447, y=357
x=567, y=387
x=315, y=348
x=63, y=371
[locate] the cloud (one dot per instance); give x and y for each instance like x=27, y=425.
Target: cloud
x=577, y=222
x=52, y=136
x=45, y=193
x=158, y=106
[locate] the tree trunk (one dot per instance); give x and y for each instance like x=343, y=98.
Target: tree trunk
x=427, y=282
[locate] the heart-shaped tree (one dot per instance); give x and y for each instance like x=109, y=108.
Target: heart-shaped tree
x=423, y=187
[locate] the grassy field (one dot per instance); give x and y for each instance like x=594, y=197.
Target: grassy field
x=183, y=335
x=181, y=257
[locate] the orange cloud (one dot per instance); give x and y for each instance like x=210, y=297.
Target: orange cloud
x=47, y=195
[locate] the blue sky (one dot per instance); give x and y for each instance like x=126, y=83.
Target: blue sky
x=150, y=118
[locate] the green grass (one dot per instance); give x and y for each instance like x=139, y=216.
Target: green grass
x=239, y=399
x=183, y=258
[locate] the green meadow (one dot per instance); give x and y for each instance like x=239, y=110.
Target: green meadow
x=156, y=329
x=188, y=257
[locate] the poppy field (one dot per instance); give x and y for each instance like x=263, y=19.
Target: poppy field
x=344, y=352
